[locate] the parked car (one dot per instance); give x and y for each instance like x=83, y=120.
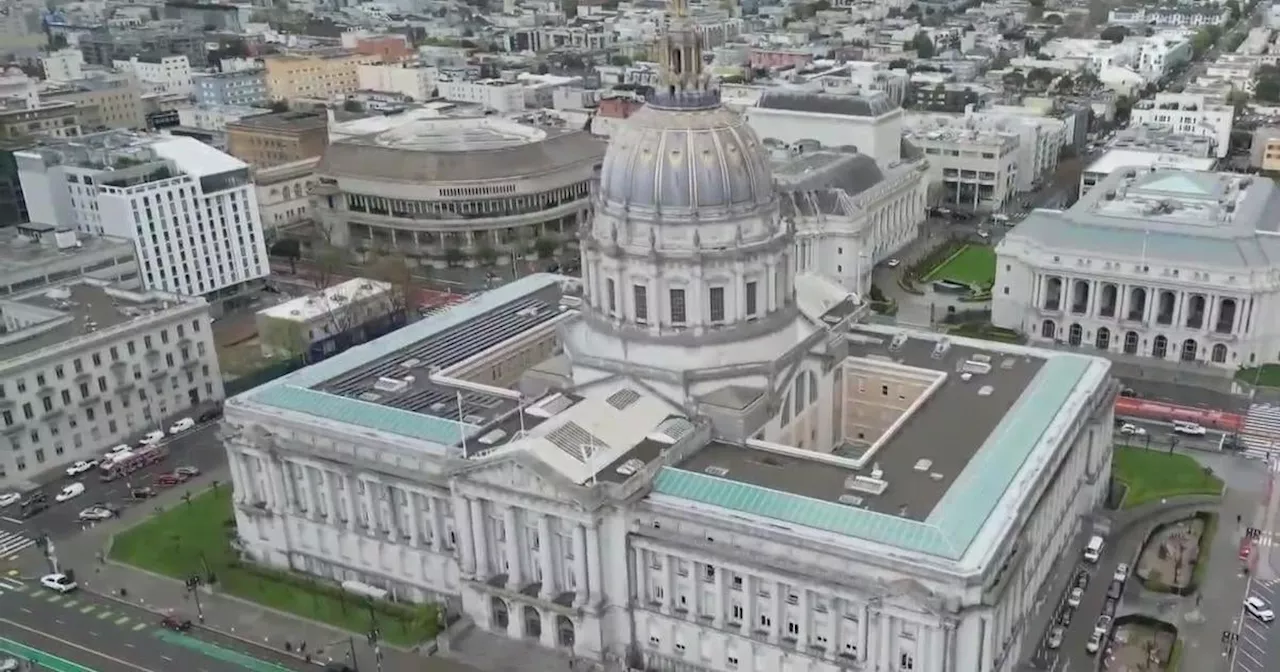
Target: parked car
x=97, y=512
x=1082, y=579
x=81, y=467
x=176, y=623
x=209, y=415
x=1094, y=643
x=1115, y=590
x=116, y=450
x=1102, y=625
x=60, y=583
x=1130, y=429
x=181, y=426
x=10, y=665
x=70, y=492
x=1109, y=609
x=1189, y=428
x=1122, y=572
x=152, y=438
x=9, y=499
x=1259, y=609
x=1073, y=600
x=167, y=480
x=893, y=263
x=33, y=506
x=142, y=493
x=187, y=471
x=1055, y=637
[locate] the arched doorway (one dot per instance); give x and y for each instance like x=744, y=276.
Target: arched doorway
x=564, y=632
x=532, y=623
x=1226, y=316
x=1103, y=339
x=1160, y=347
x=1189, y=349
x=1219, y=354
x=1137, y=304
x=1053, y=294
x=1048, y=329
x=500, y=615
x=1130, y=342
x=1075, y=334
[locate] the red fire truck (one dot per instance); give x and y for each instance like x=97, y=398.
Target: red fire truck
x=133, y=461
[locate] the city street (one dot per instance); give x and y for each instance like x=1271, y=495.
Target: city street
x=1257, y=647
x=199, y=448
x=106, y=636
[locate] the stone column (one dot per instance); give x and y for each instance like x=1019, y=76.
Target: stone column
x=780, y=594
x=884, y=655
x=415, y=518
x=480, y=534
x=668, y=580
x=371, y=505
x=937, y=649
x=275, y=470
x=595, y=588
x=241, y=484
x=466, y=545
x=802, y=620
x=642, y=577
x=544, y=558
x=439, y=533
x=515, y=575
x=579, y=564
x=352, y=488
x=864, y=633
x=834, y=628
x=721, y=607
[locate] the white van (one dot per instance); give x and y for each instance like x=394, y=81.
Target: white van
x=1093, y=550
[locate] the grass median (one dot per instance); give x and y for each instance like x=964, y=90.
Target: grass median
x=1152, y=475
x=195, y=538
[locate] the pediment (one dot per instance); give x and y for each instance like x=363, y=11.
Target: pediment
x=516, y=475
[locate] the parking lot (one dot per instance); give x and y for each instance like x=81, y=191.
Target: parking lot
x=1257, y=645
x=198, y=448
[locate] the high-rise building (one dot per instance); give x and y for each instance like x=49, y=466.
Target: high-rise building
x=190, y=209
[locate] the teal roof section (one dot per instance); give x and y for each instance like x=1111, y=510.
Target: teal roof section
x=954, y=523
x=365, y=414
x=293, y=393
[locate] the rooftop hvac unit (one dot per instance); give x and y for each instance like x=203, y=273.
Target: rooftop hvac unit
x=392, y=385
x=973, y=366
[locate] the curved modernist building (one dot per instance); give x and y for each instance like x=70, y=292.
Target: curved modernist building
x=433, y=188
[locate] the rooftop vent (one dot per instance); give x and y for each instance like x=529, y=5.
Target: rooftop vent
x=623, y=398
x=866, y=484
x=368, y=396
x=717, y=471
x=985, y=391
x=923, y=464
x=392, y=385
x=410, y=363
x=630, y=467
x=492, y=438
x=472, y=419
x=850, y=500
x=975, y=366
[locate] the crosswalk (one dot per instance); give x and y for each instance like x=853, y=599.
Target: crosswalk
x=1260, y=434
x=116, y=617
x=11, y=543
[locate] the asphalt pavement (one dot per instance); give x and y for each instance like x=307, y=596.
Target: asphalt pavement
x=1257, y=644
x=106, y=636
x=200, y=448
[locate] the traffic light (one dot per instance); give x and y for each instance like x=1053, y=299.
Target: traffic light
x=1253, y=533
x=193, y=582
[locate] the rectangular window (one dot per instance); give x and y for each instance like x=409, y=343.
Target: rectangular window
x=612, y=300
x=642, y=302
x=677, y=307
x=751, y=298
x=717, y=304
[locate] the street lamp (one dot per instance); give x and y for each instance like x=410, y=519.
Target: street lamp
x=193, y=585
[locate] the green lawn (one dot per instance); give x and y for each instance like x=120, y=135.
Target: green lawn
x=974, y=265
x=194, y=538
x=1267, y=375
x=1151, y=475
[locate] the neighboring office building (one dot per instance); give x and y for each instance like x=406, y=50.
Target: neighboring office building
x=85, y=366
x=1188, y=113
x=1150, y=147
x=163, y=73
x=1040, y=138
x=497, y=95
x=1173, y=265
x=13, y=207
x=321, y=74
x=205, y=16
x=17, y=88
x=928, y=96
x=105, y=46
x=215, y=117
x=38, y=255
x=239, y=87
x=870, y=123
x=978, y=169
x=330, y=321
x=1264, y=153
x=64, y=65
x=105, y=102
x=418, y=83
x=284, y=194
x=57, y=119
x=284, y=137
x=190, y=210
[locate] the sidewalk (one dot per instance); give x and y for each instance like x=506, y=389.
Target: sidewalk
x=237, y=619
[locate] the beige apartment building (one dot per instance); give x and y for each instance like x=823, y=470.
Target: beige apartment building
x=318, y=74
x=108, y=102
x=268, y=140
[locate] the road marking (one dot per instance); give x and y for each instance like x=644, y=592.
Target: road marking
x=7, y=519
x=1257, y=633
x=87, y=650
x=1250, y=657
x=10, y=583
x=70, y=603
x=167, y=659
x=14, y=572
x=88, y=609
x=122, y=620
x=139, y=627
x=103, y=615
x=55, y=598
x=25, y=610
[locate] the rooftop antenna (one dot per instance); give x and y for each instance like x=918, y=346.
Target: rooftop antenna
x=461, y=423
x=520, y=412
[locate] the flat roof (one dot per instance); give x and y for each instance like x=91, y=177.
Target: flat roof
x=18, y=254
x=196, y=158
x=937, y=509
x=311, y=306
x=1115, y=159
x=73, y=310
x=283, y=121
x=344, y=388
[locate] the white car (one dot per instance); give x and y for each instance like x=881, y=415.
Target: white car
x=81, y=467
x=70, y=492
x=1094, y=643
x=58, y=582
x=1122, y=573
x=1102, y=625
x=1259, y=609
x=893, y=263
x=1055, y=637
x=152, y=438
x=9, y=499
x=122, y=448
x=1189, y=428
x=1130, y=429
x=96, y=513
x=182, y=426
x=984, y=235
x=1077, y=594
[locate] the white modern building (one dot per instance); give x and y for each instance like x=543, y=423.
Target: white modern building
x=701, y=461
x=415, y=82
x=977, y=169
x=85, y=365
x=1040, y=138
x=214, y=118
x=190, y=210
x=63, y=65
x=498, y=95
x=164, y=73
x=1147, y=147
x=1172, y=265
x=870, y=124
x=327, y=318
x=1188, y=113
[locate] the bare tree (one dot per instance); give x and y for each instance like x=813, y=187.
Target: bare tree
x=395, y=270
x=329, y=264
x=283, y=338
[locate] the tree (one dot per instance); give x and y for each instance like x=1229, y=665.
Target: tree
x=353, y=105
x=485, y=254
x=1053, y=19
x=283, y=338
x=1233, y=6
x=395, y=270
x=922, y=45
x=288, y=248
x=1267, y=90
x=1014, y=80
x=1065, y=84
x=620, y=60
x=545, y=247
x=1114, y=34
x=329, y=263
x=453, y=255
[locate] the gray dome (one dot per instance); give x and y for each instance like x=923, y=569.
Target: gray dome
x=704, y=159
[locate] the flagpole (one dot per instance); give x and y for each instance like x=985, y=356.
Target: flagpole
x=461, y=423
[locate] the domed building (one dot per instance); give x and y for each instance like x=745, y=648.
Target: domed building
x=688, y=266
